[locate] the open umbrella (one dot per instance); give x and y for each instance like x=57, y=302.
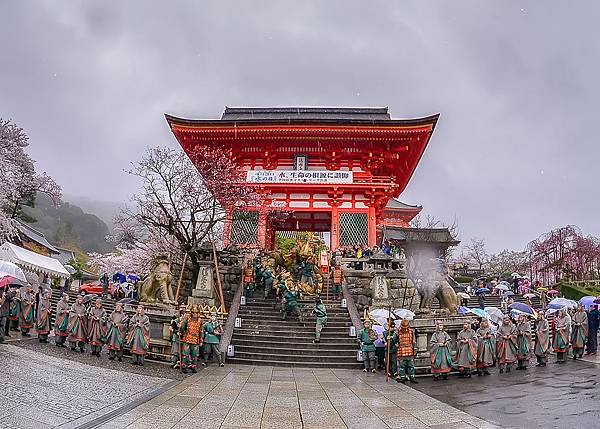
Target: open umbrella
x=529, y=295
x=128, y=301
x=515, y=275
x=403, y=313
x=479, y=312
x=10, y=280
x=463, y=295
x=89, y=297
x=508, y=293
x=463, y=310
x=542, y=289
x=482, y=290
x=587, y=301
x=381, y=313
x=502, y=287
x=562, y=302
x=553, y=292
x=522, y=307
x=10, y=269
x=495, y=314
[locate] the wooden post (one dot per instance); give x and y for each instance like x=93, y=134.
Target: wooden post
x=180, y=281
x=387, y=360
x=216, y=261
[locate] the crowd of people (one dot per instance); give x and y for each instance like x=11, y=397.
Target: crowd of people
x=481, y=347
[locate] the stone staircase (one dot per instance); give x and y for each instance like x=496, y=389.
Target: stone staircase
x=265, y=339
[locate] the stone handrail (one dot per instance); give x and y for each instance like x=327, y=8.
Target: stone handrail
x=352, y=310
x=230, y=323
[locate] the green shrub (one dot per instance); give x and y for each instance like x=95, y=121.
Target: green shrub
x=571, y=291
x=463, y=279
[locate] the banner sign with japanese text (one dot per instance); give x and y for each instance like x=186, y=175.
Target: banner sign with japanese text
x=295, y=176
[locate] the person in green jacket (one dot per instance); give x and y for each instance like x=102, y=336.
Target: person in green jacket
x=366, y=338
x=392, y=337
x=321, y=312
x=211, y=337
x=291, y=304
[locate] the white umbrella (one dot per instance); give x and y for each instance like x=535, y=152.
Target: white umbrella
x=516, y=275
x=381, y=313
x=403, y=313
x=463, y=295
x=529, y=295
x=10, y=269
x=563, y=302
x=495, y=313
x=502, y=286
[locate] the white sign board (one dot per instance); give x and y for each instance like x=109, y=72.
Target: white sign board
x=294, y=176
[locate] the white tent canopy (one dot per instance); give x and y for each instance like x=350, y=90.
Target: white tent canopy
x=32, y=261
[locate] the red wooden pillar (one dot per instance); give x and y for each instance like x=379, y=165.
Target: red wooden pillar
x=227, y=228
x=262, y=229
x=372, y=227
x=335, y=227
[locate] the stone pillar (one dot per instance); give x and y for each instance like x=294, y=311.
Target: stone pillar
x=204, y=291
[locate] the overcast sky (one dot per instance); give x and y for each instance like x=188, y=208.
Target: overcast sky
x=516, y=82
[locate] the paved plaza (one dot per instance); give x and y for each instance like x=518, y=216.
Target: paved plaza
x=40, y=391
x=267, y=397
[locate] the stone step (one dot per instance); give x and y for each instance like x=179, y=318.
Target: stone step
x=270, y=309
x=298, y=353
x=277, y=321
x=266, y=335
x=291, y=328
x=325, y=344
x=250, y=361
x=276, y=315
x=333, y=358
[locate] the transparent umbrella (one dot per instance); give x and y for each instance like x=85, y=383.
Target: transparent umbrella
x=10, y=269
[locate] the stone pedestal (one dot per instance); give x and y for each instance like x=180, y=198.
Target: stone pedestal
x=204, y=291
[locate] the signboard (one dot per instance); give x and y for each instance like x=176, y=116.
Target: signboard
x=301, y=162
x=294, y=176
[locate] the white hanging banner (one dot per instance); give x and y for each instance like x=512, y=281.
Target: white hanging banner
x=295, y=176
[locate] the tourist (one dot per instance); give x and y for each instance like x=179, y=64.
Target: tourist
x=211, y=333
x=467, y=350
x=77, y=325
x=390, y=340
x=560, y=337
x=439, y=350
x=97, y=327
x=175, y=330
x=139, y=336
x=379, y=347
x=486, y=348
x=61, y=323
x=542, y=340
x=481, y=296
x=366, y=337
x=506, y=345
x=4, y=311
x=405, y=352
x=249, y=280
x=191, y=340
x=104, y=282
x=579, y=333
x=26, y=300
x=117, y=330
x=337, y=281
x=320, y=311
x=42, y=325
x=593, y=322
x=523, y=342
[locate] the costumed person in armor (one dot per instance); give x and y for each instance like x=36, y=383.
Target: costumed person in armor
x=117, y=332
x=77, y=325
x=258, y=271
x=139, y=336
x=338, y=277
x=560, y=337
x=61, y=323
x=466, y=357
x=211, y=337
x=542, y=340
x=390, y=339
x=267, y=280
x=439, y=349
x=26, y=309
x=308, y=272
x=523, y=341
x=249, y=280
x=97, y=327
x=320, y=311
x=580, y=332
x=291, y=304
x=42, y=325
x=366, y=337
x=405, y=353
x=175, y=330
x=191, y=340
x=506, y=345
x=486, y=348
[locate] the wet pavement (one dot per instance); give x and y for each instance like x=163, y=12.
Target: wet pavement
x=558, y=396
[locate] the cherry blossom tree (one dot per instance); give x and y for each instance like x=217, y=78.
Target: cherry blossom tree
x=476, y=251
x=19, y=182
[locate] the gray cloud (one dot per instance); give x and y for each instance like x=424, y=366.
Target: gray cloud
x=516, y=83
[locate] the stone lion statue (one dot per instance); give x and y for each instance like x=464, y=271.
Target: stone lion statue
x=157, y=287
x=435, y=285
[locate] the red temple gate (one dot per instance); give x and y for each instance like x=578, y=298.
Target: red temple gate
x=331, y=170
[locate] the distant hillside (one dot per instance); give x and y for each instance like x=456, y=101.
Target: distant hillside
x=69, y=226
x=105, y=210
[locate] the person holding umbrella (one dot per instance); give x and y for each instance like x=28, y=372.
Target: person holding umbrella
x=523, y=342
x=506, y=347
x=580, y=332
x=486, y=348
x=593, y=322
x=6, y=297
x=560, y=337
x=542, y=340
